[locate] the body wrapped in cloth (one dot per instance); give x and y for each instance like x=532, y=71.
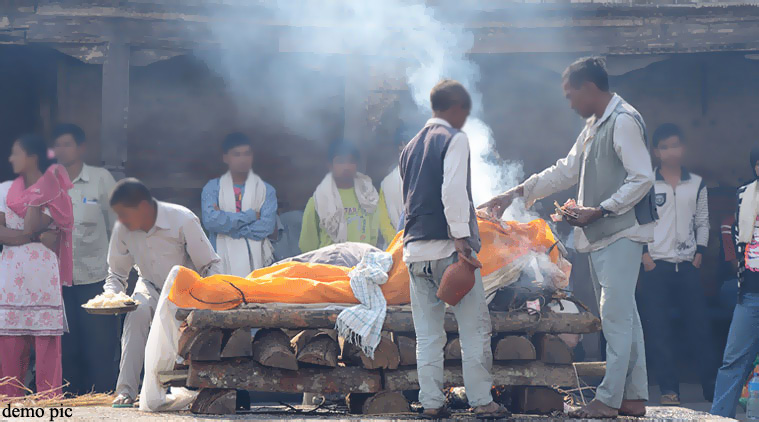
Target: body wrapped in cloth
x=503, y=244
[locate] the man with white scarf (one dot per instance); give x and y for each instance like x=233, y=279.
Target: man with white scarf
x=343, y=207
x=239, y=210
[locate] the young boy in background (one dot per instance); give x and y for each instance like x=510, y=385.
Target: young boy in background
x=239, y=210
x=344, y=205
x=671, y=263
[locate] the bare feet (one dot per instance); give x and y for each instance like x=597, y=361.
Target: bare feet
x=492, y=410
x=439, y=413
x=594, y=410
x=636, y=408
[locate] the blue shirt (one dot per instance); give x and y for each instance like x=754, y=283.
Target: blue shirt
x=237, y=225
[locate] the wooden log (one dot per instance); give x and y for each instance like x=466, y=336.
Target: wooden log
x=215, y=401
x=590, y=369
x=271, y=347
x=396, y=320
x=206, y=345
x=182, y=314
x=406, y=349
x=355, y=402
x=386, y=355
x=514, y=348
x=247, y=374
x=175, y=378
x=238, y=344
x=452, y=349
x=384, y=402
x=316, y=347
x=533, y=373
x=186, y=335
x=538, y=400
x=551, y=349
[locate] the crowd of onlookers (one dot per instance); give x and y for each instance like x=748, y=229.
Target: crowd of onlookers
x=69, y=231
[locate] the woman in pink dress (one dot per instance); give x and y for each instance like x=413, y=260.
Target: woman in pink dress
x=31, y=274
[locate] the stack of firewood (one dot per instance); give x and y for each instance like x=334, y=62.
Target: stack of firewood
x=296, y=350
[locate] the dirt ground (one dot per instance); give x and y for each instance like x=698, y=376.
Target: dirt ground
x=106, y=414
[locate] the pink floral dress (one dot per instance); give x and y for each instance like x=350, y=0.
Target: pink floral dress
x=31, y=301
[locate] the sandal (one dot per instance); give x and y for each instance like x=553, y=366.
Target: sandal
x=123, y=401
x=670, y=399
x=492, y=410
x=435, y=414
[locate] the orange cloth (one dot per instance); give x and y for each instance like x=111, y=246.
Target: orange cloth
x=295, y=282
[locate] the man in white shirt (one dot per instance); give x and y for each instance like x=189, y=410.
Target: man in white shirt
x=90, y=348
x=614, y=219
x=440, y=229
x=154, y=236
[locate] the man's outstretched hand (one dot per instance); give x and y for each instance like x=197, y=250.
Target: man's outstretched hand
x=585, y=216
x=496, y=206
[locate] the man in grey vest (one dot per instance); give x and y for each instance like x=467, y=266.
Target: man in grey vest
x=441, y=228
x=611, y=165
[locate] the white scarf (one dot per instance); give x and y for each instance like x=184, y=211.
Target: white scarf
x=392, y=187
x=748, y=212
x=241, y=256
x=329, y=205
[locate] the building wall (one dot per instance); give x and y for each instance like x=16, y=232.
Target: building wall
x=79, y=101
x=179, y=114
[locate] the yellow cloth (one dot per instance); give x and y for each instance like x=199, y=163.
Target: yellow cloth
x=295, y=282
x=362, y=227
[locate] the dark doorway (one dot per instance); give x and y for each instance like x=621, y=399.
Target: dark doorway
x=27, y=102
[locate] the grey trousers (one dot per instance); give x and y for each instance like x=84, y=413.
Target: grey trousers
x=614, y=270
x=134, y=338
x=474, y=333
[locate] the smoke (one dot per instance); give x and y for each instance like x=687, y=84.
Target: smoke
x=491, y=174
x=331, y=37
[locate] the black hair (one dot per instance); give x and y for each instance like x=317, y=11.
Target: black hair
x=34, y=144
x=75, y=131
x=587, y=69
x=342, y=147
x=754, y=157
x=130, y=192
x=234, y=140
x=666, y=131
x=448, y=93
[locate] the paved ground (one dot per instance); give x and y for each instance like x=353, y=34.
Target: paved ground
x=109, y=414
x=693, y=408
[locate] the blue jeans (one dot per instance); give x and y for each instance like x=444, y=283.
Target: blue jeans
x=473, y=318
x=740, y=352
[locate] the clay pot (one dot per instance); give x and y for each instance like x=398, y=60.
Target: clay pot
x=458, y=280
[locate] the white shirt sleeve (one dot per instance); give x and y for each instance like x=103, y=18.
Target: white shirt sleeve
x=631, y=150
x=120, y=262
x=199, y=248
x=560, y=176
x=455, y=171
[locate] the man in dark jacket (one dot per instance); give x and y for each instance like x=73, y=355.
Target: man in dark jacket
x=440, y=229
